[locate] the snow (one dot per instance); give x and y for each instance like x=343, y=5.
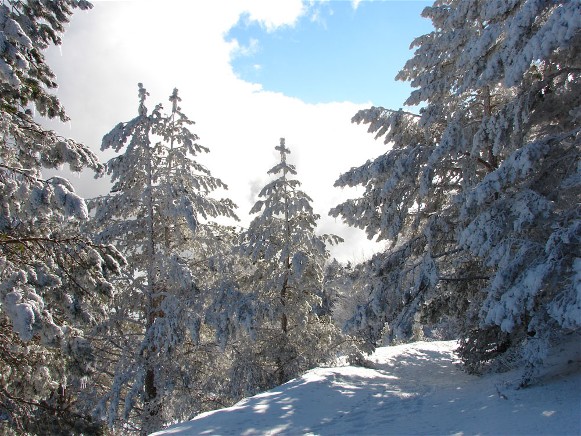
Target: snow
x=414, y=388
x=21, y=315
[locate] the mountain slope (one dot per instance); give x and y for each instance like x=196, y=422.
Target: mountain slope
x=413, y=389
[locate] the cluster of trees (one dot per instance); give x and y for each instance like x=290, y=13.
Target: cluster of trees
x=479, y=193
x=135, y=309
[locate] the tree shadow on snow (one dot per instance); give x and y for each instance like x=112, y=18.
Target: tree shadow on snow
x=327, y=400
x=418, y=391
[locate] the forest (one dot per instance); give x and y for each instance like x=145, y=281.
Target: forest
x=130, y=311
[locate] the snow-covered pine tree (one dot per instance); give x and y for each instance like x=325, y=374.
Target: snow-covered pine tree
x=480, y=192
x=410, y=198
x=285, y=283
x=158, y=207
x=523, y=219
x=54, y=283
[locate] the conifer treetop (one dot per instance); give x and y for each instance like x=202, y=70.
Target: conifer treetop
x=283, y=165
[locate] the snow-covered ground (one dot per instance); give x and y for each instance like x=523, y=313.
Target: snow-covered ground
x=413, y=389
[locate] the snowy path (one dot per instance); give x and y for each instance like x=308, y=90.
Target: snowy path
x=413, y=389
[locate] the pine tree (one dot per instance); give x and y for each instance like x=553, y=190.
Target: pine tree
x=479, y=191
x=156, y=213
x=285, y=282
x=54, y=282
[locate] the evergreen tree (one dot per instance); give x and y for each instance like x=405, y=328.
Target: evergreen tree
x=285, y=283
x=54, y=283
x=479, y=192
x=157, y=215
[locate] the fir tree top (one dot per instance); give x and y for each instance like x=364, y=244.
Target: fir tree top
x=283, y=165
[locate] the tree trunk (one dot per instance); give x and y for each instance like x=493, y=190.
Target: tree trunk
x=287, y=266
x=151, y=419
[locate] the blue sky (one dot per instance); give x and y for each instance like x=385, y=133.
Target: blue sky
x=337, y=52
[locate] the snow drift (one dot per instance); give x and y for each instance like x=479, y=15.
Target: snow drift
x=415, y=388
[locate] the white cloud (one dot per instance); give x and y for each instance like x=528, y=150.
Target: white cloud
x=244, y=50
x=107, y=51
x=274, y=14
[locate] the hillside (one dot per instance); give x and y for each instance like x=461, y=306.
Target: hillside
x=412, y=389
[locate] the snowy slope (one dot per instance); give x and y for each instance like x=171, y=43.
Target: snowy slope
x=413, y=389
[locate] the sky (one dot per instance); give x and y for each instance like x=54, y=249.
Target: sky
x=249, y=72
x=409, y=389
